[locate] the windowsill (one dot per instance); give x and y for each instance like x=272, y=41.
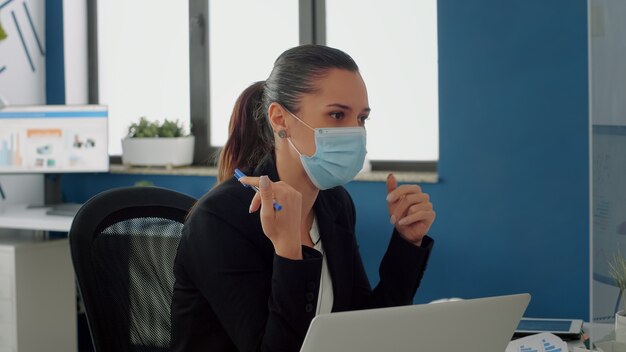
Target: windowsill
x=401, y=176
x=366, y=176
x=174, y=171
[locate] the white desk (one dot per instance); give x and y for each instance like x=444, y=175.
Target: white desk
x=37, y=284
x=21, y=217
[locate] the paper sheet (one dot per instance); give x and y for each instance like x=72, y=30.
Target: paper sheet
x=544, y=342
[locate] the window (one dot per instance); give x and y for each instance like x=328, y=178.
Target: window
x=242, y=48
x=143, y=62
x=145, y=70
x=395, y=45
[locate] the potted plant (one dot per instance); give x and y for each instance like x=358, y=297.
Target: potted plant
x=154, y=144
x=617, y=269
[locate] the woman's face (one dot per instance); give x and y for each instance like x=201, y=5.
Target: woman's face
x=340, y=100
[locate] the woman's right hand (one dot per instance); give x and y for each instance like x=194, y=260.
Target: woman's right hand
x=281, y=227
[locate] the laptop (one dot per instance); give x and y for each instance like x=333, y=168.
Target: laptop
x=475, y=325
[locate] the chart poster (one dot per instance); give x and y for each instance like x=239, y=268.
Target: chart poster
x=53, y=139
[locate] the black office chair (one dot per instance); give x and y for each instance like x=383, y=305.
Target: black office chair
x=123, y=244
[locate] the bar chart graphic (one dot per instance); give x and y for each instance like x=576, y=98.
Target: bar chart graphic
x=527, y=349
x=10, y=154
x=547, y=347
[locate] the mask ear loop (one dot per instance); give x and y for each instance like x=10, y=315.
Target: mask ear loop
x=293, y=146
x=297, y=118
x=283, y=133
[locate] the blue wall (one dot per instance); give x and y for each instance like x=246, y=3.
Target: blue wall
x=55, y=67
x=512, y=203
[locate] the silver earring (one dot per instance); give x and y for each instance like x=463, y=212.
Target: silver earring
x=282, y=134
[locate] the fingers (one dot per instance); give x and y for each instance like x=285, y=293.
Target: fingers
x=267, y=197
x=410, y=210
x=408, y=203
x=252, y=181
x=278, y=189
x=255, y=204
x=412, y=204
x=421, y=215
x=412, y=198
x=403, y=190
x=281, y=227
x=400, y=205
x=392, y=183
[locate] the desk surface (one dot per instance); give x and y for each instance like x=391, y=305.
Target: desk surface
x=600, y=329
x=24, y=218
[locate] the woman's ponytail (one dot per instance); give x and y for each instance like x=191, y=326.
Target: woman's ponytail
x=250, y=137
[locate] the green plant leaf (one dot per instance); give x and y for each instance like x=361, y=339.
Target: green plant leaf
x=3, y=34
x=147, y=129
x=143, y=129
x=171, y=129
x=617, y=270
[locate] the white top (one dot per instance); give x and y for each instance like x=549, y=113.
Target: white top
x=325, y=297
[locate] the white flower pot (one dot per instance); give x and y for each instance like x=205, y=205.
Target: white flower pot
x=620, y=326
x=166, y=152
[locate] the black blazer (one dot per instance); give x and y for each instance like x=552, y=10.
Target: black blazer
x=232, y=293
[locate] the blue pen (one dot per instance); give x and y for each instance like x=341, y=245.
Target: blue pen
x=239, y=174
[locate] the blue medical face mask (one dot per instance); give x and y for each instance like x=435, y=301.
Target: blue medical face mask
x=339, y=155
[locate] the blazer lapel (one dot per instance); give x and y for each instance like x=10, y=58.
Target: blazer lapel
x=337, y=244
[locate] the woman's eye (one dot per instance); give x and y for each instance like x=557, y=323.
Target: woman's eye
x=337, y=115
x=362, y=119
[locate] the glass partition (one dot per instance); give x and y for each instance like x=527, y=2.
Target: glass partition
x=607, y=79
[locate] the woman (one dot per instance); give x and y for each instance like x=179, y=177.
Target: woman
x=250, y=277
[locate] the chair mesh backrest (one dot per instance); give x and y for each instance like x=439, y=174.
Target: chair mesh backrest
x=124, y=257
x=144, y=297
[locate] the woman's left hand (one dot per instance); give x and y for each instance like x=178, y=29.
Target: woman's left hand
x=410, y=210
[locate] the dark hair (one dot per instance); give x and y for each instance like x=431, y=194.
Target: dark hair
x=250, y=136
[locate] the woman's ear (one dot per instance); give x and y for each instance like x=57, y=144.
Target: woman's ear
x=276, y=114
